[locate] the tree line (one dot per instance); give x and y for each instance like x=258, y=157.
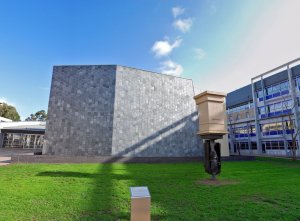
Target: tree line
x=10, y=112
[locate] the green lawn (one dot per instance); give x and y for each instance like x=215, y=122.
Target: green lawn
x=267, y=190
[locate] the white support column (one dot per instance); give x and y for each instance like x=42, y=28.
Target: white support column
x=22, y=141
x=294, y=103
x=231, y=139
x=249, y=138
x=257, y=129
x=34, y=143
x=263, y=91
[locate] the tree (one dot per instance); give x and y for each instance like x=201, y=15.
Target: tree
x=9, y=112
x=38, y=116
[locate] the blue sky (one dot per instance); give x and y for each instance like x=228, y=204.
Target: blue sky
x=200, y=39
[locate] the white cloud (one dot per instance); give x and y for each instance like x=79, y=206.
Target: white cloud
x=163, y=48
x=183, y=25
x=200, y=53
x=177, y=11
x=171, y=68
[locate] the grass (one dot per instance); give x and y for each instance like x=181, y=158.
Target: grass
x=267, y=190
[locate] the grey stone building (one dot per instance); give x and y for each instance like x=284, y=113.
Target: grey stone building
x=112, y=110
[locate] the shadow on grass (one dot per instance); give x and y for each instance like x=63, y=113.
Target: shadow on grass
x=101, y=197
x=107, y=194
x=98, y=198
x=97, y=176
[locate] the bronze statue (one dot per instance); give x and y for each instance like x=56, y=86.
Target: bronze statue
x=212, y=162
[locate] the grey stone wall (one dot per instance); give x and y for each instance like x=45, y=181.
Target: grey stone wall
x=155, y=115
x=80, y=112
x=120, y=111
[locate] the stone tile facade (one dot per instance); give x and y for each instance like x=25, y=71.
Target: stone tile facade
x=102, y=110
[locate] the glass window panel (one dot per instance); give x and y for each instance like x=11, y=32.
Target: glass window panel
x=286, y=104
x=259, y=94
x=254, y=145
x=265, y=128
x=284, y=86
x=281, y=144
x=278, y=106
x=261, y=110
x=298, y=81
x=271, y=108
x=269, y=90
x=279, y=126
x=247, y=115
x=276, y=88
x=272, y=126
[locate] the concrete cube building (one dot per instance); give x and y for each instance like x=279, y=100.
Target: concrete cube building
x=112, y=110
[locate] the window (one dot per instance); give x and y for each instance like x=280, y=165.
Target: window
x=253, y=129
x=276, y=90
x=289, y=125
x=244, y=146
x=273, y=126
x=261, y=110
x=287, y=104
x=240, y=108
x=290, y=144
x=236, y=131
x=254, y=145
x=269, y=91
x=274, y=145
x=265, y=127
x=270, y=108
x=284, y=86
x=247, y=115
x=270, y=129
x=245, y=130
x=278, y=106
x=281, y=145
x=259, y=94
x=241, y=145
x=283, y=107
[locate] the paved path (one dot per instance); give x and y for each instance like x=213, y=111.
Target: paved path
x=4, y=160
x=6, y=153
x=268, y=156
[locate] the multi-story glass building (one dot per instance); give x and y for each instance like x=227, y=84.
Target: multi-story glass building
x=263, y=117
